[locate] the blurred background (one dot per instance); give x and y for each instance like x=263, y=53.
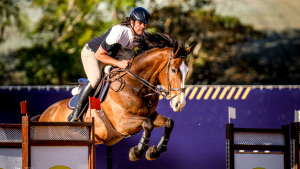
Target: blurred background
x=238, y=42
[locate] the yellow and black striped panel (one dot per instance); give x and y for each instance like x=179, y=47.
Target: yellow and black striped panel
x=212, y=92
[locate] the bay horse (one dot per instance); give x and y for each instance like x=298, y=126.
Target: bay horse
x=160, y=58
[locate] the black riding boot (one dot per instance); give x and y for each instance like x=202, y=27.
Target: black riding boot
x=82, y=99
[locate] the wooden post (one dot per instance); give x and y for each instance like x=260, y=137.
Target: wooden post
x=25, y=142
x=295, y=148
x=229, y=136
x=286, y=132
x=92, y=162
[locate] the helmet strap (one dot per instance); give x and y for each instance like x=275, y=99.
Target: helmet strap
x=133, y=29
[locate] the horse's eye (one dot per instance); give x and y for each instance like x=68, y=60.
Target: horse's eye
x=174, y=71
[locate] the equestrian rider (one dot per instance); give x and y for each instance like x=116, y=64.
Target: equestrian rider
x=99, y=50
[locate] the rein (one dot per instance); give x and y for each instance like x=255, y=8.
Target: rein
x=161, y=91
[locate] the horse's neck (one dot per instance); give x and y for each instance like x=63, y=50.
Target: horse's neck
x=149, y=64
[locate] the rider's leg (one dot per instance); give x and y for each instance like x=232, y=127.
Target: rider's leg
x=92, y=69
x=82, y=100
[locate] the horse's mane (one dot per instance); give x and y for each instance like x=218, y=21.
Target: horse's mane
x=147, y=42
x=154, y=40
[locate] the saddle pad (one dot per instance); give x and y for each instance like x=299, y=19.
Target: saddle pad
x=73, y=101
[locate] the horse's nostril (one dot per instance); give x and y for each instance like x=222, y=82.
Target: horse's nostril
x=177, y=105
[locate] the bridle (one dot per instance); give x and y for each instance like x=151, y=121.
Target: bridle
x=166, y=93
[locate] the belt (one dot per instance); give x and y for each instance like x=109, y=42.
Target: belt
x=88, y=48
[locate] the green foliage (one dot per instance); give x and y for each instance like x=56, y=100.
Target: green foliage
x=215, y=35
x=11, y=15
x=65, y=27
x=2, y=72
x=121, y=8
x=59, y=36
x=44, y=66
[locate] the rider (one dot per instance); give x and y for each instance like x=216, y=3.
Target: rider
x=98, y=50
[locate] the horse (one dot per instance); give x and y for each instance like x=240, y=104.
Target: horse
x=159, y=58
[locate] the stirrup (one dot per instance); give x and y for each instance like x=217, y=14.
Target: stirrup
x=74, y=119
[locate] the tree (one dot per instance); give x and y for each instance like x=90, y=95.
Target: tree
x=11, y=15
x=213, y=35
x=61, y=33
x=120, y=8
x=65, y=27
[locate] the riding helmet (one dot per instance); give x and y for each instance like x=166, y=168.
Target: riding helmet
x=140, y=14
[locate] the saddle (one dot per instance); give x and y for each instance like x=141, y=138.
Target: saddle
x=100, y=91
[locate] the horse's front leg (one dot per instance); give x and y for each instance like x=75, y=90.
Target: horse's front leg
x=159, y=121
x=136, y=152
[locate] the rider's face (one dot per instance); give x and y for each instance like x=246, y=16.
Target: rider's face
x=139, y=27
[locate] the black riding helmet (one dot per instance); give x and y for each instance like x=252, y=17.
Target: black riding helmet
x=140, y=14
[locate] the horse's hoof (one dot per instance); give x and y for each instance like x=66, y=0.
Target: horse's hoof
x=132, y=156
x=152, y=153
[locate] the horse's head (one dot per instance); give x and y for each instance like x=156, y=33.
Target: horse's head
x=173, y=79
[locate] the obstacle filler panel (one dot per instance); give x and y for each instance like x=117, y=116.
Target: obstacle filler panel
x=274, y=140
x=251, y=160
x=59, y=132
x=58, y=144
x=10, y=146
x=10, y=158
x=47, y=145
x=259, y=138
x=295, y=145
x=75, y=157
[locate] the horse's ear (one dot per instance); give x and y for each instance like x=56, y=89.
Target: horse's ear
x=176, y=49
x=190, y=49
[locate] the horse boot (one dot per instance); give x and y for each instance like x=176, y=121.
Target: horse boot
x=82, y=99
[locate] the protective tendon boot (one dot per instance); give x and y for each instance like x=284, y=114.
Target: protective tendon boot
x=82, y=99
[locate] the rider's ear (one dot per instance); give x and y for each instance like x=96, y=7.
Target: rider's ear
x=176, y=49
x=190, y=49
x=131, y=23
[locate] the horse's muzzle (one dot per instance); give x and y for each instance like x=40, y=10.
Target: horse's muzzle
x=177, y=105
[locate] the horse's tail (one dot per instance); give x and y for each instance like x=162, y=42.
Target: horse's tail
x=35, y=118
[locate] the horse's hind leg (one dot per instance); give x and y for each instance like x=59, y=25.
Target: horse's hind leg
x=136, y=152
x=158, y=121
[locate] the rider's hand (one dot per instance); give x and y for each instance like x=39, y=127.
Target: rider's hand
x=123, y=64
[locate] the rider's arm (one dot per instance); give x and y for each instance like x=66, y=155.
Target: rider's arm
x=112, y=38
x=102, y=56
